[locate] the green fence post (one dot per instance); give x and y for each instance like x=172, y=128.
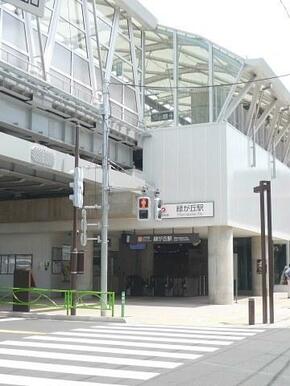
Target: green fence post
x=113, y=304
x=66, y=302
x=123, y=299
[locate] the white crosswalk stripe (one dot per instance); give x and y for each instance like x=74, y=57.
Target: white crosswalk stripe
x=9, y=319
x=100, y=354
x=153, y=333
x=7, y=379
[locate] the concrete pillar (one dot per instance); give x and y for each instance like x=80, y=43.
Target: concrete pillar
x=220, y=265
x=287, y=252
x=257, y=255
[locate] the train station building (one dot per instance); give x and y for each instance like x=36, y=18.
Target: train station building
x=187, y=117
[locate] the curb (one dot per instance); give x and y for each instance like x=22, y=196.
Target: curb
x=25, y=315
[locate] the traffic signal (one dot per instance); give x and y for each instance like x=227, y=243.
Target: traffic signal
x=143, y=208
x=157, y=209
x=78, y=188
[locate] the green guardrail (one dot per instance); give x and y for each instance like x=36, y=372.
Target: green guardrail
x=58, y=299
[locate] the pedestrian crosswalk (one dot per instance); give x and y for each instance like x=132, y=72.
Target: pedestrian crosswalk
x=109, y=354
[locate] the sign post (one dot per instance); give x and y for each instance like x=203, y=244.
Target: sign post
x=262, y=188
x=36, y=7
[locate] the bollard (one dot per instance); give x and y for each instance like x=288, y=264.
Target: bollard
x=251, y=311
x=123, y=297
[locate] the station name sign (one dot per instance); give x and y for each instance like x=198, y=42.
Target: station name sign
x=188, y=209
x=36, y=7
x=163, y=239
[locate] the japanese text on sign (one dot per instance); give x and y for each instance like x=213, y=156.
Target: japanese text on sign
x=193, y=209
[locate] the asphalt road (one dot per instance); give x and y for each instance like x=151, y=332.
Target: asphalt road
x=74, y=353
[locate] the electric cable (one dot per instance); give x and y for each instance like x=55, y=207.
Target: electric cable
x=205, y=86
x=285, y=8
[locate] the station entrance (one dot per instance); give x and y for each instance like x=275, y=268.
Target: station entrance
x=156, y=265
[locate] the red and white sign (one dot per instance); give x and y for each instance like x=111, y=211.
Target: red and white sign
x=143, y=202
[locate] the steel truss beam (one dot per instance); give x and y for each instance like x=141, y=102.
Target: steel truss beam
x=89, y=50
x=135, y=72
x=48, y=53
x=275, y=122
x=228, y=110
x=252, y=109
x=264, y=115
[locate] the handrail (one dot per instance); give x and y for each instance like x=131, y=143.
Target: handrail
x=42, y=298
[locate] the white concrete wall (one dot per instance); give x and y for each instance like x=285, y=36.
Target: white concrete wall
x=244, y=205
x=211, y=162
x=188, y=164
x=38, y=245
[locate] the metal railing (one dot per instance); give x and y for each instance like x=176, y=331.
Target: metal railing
x=43, y=299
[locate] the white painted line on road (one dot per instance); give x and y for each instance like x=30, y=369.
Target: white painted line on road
x=21, y=332
x=21, y=380
x=189, y=328
x=90, y=358
x=111, y=350
x=122, y=343
x=143, y=338
x=150, y=333
x=174, y=330
x=77, y=370
x=10, y=319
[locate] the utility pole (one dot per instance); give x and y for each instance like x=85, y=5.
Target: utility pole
x=74, y=254
x=105, y=198
x=262, y=188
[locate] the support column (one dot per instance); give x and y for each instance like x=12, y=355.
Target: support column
x=256, y=255
x=220, y=265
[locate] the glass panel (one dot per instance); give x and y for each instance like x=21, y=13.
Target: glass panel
x=192, y=75
x=66, y=251
x=78, y=41
x=104, y=31
x=159, y=77
x=130, y=98
x=4, y=264
x=44, y=21
x=61, y=59
x=82, y=92
x=71, y=37
x=123, y=24
x=11, y=56
x=225, y=70
x=116, y=91
x=123, y=48
x=23, y=262
x=81, y=70
x=13, y=31
x=49, y=4
x=11, y=264
x=105, y=10
x=71, y=10
x=60, y=81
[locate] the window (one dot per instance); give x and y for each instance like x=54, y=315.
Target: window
x=8, y=263
x=61, y=261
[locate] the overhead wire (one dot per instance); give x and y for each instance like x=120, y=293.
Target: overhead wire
x=285, y=8
x=256, y=80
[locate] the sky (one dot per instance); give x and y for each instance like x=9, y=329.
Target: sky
x=249, y=28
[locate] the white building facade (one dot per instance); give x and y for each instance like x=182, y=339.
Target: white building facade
x=187, y=117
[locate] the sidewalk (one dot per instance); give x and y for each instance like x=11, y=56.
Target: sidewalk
x=197, y=311
x=186, y=312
